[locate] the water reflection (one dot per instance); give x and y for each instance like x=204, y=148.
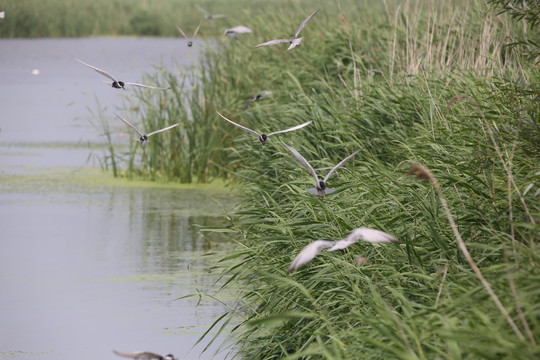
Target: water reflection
x=99, y=268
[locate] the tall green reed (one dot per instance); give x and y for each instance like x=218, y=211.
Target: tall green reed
x=396, y=82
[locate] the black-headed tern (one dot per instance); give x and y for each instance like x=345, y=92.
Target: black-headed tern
x=295, y=40
x=264, y=137
x=309, y=252
x=234, y=31
x=256, y=97
x=209, y=16
x=320, y=188
x=119, y=84
x=189, y=40
x=144, y=137
x=144, y=355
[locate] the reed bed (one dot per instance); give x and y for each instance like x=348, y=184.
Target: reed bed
x=447, y=86
x=437, y=85
x=452, y=86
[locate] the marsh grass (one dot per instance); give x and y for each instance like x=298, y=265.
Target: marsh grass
x=399, y=78
x=435, y=84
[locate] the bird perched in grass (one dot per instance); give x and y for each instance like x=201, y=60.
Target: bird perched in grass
x=294, y=40
x=309, y=252
x=264, y=137
x=320, y=187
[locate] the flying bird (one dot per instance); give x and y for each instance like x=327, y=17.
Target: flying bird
x=256, y=97
x=234, y=31
x=119, y=84
x=320, y=188
x=295, y=40
x=309, y=252
x=144, y=137
x=207, y=15
x=144, y=355
x=264, y=137
x=189, y=40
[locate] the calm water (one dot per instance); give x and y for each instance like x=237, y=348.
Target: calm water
x=89, y=264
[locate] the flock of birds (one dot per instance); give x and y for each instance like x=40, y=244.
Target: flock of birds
x=309, y=252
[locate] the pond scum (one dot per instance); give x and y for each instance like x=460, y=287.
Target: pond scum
x=447, y=91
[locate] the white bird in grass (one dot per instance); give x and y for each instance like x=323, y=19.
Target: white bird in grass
x=189, y=40
x=295, y=40
x=207, y=15
x=234, y=31
x=264, y=137
x=309, y=252
x=119, y=84
x=320, y=188
x=144, y=355
x=144, y=137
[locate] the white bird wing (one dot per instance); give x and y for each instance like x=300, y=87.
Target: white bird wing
x=146, y=86
x=182, y=32
x=304, y=23
x=371, y=235
x=102, y=72
x=162, y=130
x=304, y=162
x=240, y=29
x=240, y=126
x=129, y=124
x=273, y=42
x=308, y=253
x=291, y=129
x=196, y=30
x=365, y=234
x=341, y=163
x=202, y=10
x=341, y=244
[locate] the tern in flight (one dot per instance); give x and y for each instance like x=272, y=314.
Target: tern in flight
x=294, y=41
x=116, y=83
x=256, y=97
x=312, y=250
x=234, y=31
x=144, y=355
x=207, y=15
x=264, y=137
x=189, y=40
x=320, y=188
x=144, y=137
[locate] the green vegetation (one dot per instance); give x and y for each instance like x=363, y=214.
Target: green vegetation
x=61, y=18
x=451, y=85
x=448, y=86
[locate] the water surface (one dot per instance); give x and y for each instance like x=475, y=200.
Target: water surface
x=88, y=263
